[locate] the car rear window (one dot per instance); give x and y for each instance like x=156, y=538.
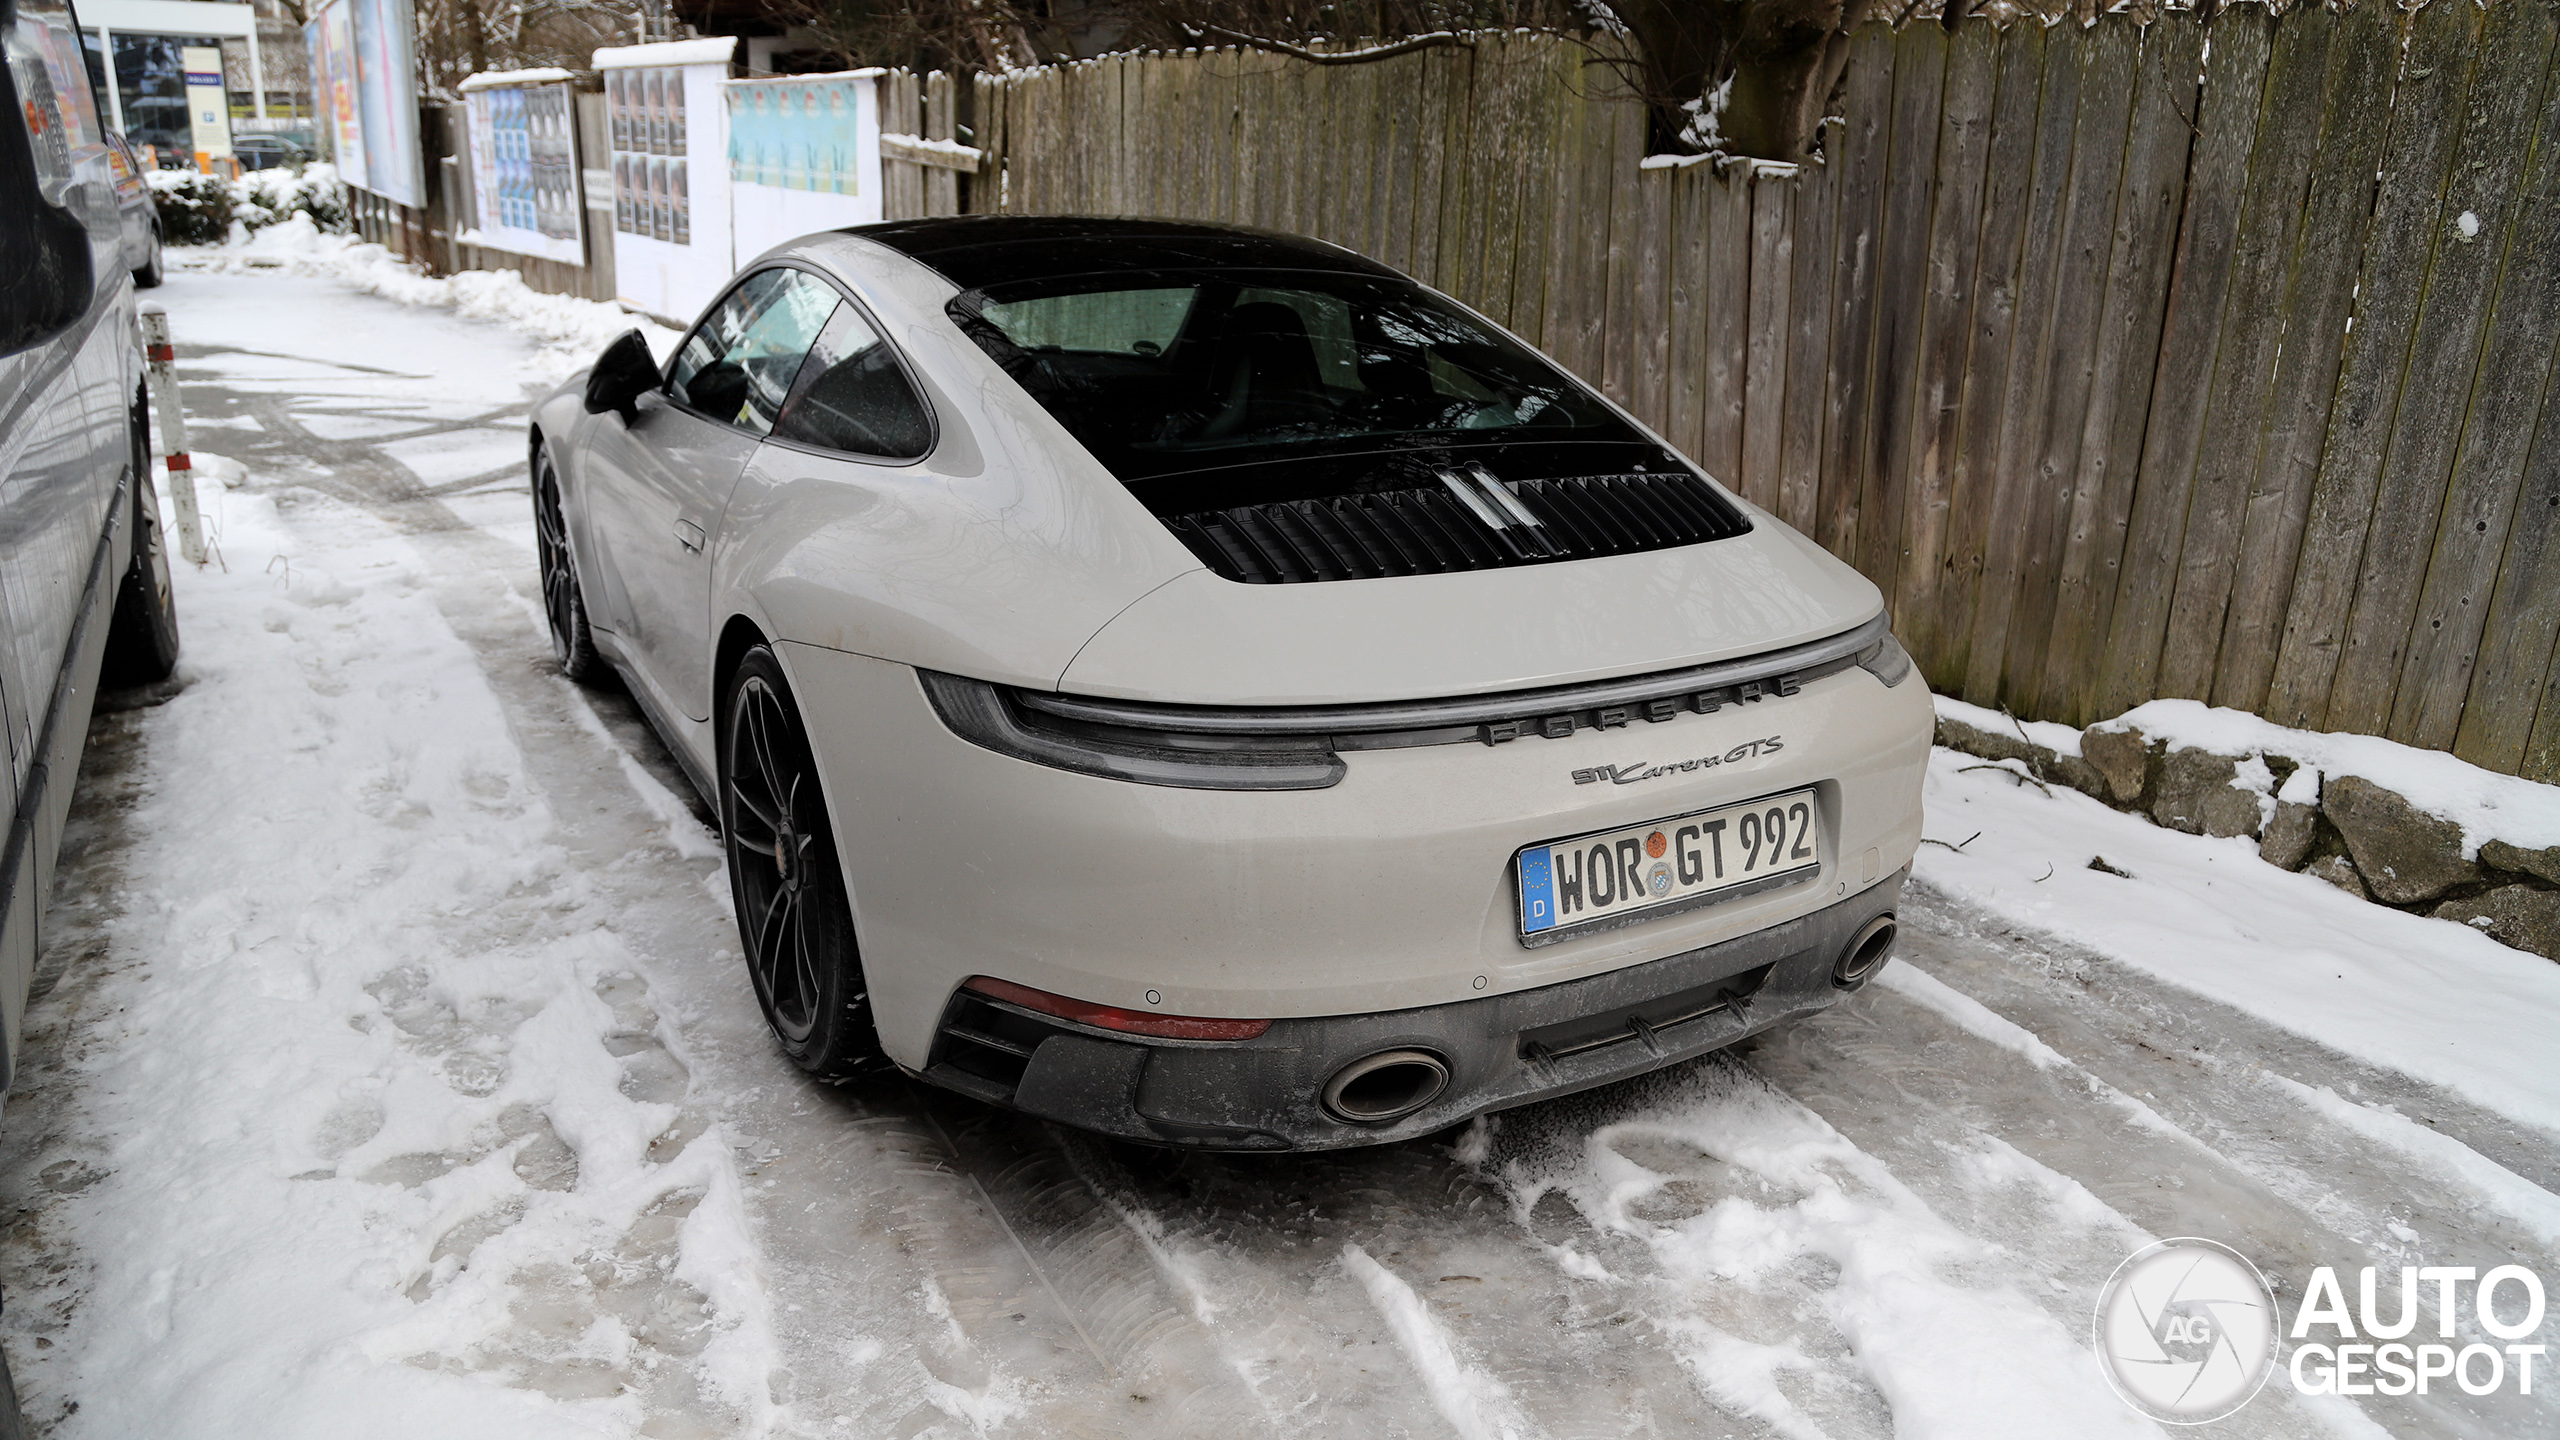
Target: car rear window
x=1166, y=372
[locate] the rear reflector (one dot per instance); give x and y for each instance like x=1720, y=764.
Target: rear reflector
x=1109, y=1017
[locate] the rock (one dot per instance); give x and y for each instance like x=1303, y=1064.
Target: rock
x=1975, y=740
x=2051, y=765
x=2338, y=870
x=2516, y=915
x=2405, y=854
x=2119, y=756
x=2545, y=862
x=2194, y=793
x=2287, y=840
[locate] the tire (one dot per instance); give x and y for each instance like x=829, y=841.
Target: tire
x=564, y=603
x=787, y=880
x=149, y=274
x=142, y=636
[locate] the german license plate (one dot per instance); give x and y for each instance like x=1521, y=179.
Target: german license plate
x=1709, y=855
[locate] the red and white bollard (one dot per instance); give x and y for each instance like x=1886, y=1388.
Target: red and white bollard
x=169, y=419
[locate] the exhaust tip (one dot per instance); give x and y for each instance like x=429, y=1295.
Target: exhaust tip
x=1386, y=1086
x=1865, y=953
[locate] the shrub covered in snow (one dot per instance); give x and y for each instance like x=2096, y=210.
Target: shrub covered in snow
x=200, y=209
x=195, y=208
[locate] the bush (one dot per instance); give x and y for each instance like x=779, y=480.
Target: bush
x=199, y=209
x=273, y=195
x=195, y=209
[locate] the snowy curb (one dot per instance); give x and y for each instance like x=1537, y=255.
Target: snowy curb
x=570, y=330
x=2418, y=830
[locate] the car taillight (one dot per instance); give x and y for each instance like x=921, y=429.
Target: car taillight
x=1111, y=1017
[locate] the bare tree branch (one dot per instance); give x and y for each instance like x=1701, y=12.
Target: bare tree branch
x=1361, y=56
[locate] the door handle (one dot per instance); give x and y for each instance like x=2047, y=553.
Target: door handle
x=689, y=535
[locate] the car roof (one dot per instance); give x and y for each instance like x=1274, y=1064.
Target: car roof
x=975, y=251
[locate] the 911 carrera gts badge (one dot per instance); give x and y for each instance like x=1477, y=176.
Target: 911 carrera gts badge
x=1630, y=774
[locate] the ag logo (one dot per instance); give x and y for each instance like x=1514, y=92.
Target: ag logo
x=2186, y=1331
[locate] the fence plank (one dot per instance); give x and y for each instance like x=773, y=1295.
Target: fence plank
x=2105, y=58
x=2236, y=109
x=1727, y=201
x=1817, y=209
x=2515, y=249
x=2425, y=119
x=1681, y=396
x=1974, y=474
x=2423, y=116
x=1542, y=97
x=2519, y=665
x=1501, y=110
x=2317, y=314
x=1955, y=233
x=2444, y=356
x=1864, y=147
x=1619, y=201
x=2030, y=372
x=2321, y=59
x=1764, y=383
x=1887, y=459
x=2449, y=642
x=2157, y=152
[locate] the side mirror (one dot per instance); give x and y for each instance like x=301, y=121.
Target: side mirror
x=622, y=374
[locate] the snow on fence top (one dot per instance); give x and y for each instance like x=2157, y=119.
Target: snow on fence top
x=717, y=48
x=502, y=79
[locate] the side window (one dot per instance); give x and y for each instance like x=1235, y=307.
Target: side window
x=738, y=365
x=853, y=397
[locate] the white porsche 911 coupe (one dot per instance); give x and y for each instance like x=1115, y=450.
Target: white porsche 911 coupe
x=1199, y=685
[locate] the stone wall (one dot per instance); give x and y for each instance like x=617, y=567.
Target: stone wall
x=2350, y=831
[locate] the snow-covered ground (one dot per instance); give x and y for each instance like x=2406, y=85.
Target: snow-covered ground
x=393, y=1072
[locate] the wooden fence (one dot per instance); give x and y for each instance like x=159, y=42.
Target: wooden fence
x=2104, y=353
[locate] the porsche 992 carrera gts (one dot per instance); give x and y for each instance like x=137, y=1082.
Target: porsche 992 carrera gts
x=1199, y=685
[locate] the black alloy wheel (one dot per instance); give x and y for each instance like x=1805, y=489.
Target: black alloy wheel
x=786, y=880
x=148, y=275
x=563, y=604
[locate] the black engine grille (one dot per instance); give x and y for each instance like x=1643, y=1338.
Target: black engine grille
x=1435, y=529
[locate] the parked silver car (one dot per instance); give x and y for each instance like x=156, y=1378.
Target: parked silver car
x=139, y=216
x=1203, y=686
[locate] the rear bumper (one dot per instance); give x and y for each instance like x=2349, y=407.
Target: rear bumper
x=1387, y=894
x=1501, y=1050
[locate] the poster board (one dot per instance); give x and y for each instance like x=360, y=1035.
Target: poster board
x=364, y=75
x=803, y=154
x=671, y=240
x=330, y=37
x=387, y=88
x=525, y=191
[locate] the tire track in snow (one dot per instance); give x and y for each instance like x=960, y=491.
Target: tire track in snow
x=1476, y=1405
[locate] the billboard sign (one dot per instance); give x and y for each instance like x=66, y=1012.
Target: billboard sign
x=364, y=67
x=803, y=155
x=671, y=241
x=387, y=82
x=208, y=104
x=330, y=35
x=525, y=188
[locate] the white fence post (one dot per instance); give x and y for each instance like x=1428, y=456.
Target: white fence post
x=170, y=422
